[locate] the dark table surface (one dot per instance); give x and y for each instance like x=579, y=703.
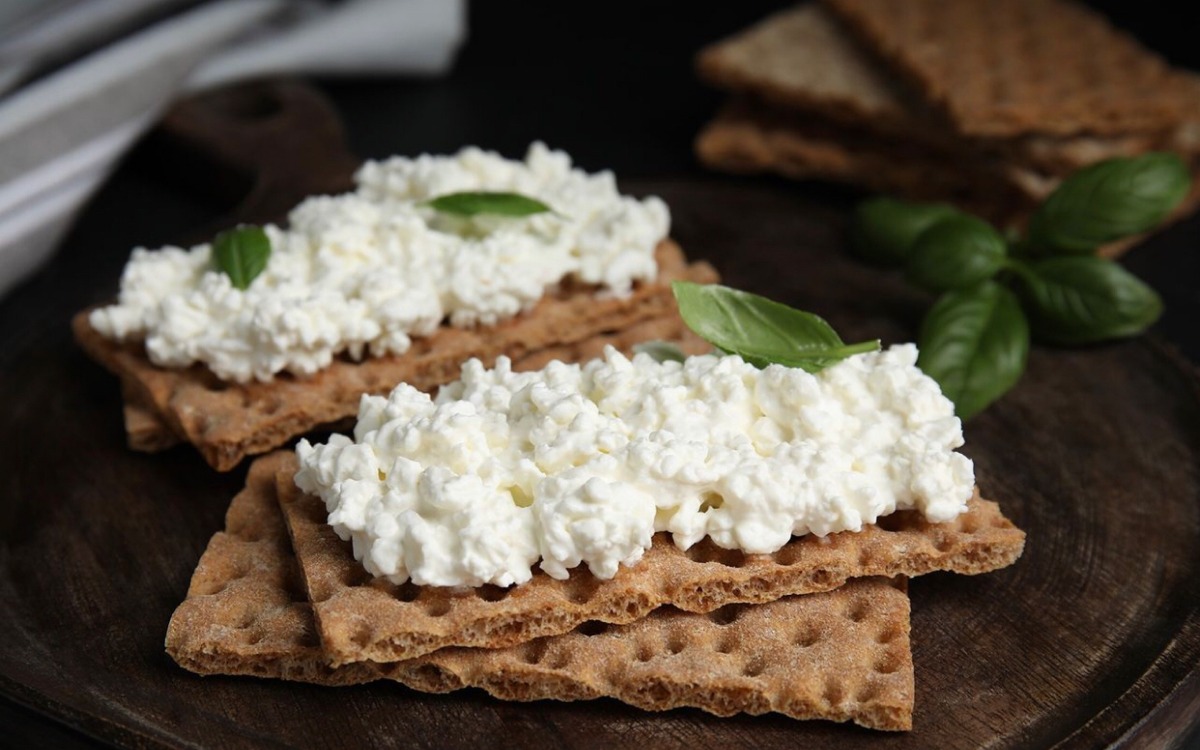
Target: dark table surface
x=610, y=83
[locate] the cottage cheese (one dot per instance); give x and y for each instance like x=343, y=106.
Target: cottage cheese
x=582, y=464
x=364, y=272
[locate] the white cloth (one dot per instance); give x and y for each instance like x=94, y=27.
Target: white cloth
x=61, y=135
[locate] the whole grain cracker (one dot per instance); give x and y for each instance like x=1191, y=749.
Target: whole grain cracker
x=842, y=655
x=362, y=618
x=149, y=432
x=804, y=59
x=229, y=421
x=801, y=58
x=748, y=138
x=1005, y=69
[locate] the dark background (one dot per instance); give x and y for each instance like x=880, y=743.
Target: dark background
x=611, y=83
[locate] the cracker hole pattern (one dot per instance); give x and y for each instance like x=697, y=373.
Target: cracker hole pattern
x=858, y=611
x=408, y=592
x=834, y=692
x=437, y=608
x=490, y=593
x=888, y=663
x=534, y=652
x=726, y=615
x=592, y=627
x=807, y=637
x=676, y=644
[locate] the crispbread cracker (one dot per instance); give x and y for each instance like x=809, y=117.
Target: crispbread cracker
x=148, y=431
x=366, y=619
x=228, y=421
x=1004, y=69
x=749, y=138
x=842, y=655
x=803, y=59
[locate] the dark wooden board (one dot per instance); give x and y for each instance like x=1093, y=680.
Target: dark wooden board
x=1092, y=638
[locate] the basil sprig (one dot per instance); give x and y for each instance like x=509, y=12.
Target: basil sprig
x=997, y=291
x=760, y=330
x=242, y=254
x=484, y=202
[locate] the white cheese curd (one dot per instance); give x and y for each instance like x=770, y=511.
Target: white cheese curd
x=363, y=272
x=582, y=464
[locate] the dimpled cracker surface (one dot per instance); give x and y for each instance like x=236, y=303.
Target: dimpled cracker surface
x=1000, y=69
x=361, y=618
x=246, y=611
x=229, y=421
x=842, y=655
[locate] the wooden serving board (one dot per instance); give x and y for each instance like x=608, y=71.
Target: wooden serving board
x=1092, y=638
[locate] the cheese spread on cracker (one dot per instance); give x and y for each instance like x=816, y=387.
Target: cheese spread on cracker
x=363, y=273
x=581, y=464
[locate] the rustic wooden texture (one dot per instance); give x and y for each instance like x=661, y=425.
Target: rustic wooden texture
x=1092, y=638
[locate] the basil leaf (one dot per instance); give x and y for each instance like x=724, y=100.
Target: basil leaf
x=1085, y=299
x=482, y=202
x=242, y=254
x=974, y=343
x=1107, y=201
x=955, y=253
x=759, y=330
x=661, y=351
x=884, y=229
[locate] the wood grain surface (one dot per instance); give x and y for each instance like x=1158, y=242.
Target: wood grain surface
x=1091, y=639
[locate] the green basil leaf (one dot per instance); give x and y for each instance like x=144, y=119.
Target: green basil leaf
x=974, y=343
x=1079, y=300
x=954, y=253
x=884, y=229
x=1107, y=201
x=759, y=330
x=242, y=254
x=661, y=351
x=481, y=202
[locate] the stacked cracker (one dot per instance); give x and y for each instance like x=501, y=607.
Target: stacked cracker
x=984, y=104
x=227, y=421
x=819, y=629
